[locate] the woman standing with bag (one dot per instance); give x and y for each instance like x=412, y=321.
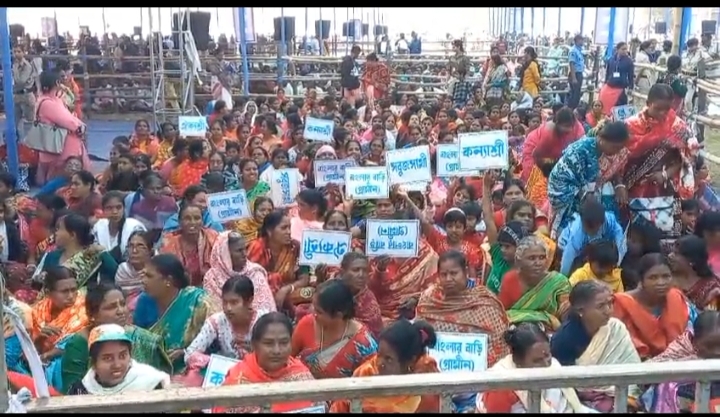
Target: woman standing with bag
x=51, y=111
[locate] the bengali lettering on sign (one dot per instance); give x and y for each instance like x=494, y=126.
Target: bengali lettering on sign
x=228, y=206
x=394, y=238
x=622, y=113
x=456, y=352
x=285, y=186
x=447, y=158
x=217, y=369
x=324, y=247
x=320, y=130
x=409, y=165
x=365, y=183
x=192, y=126
x=483, y=150
x=331, y=171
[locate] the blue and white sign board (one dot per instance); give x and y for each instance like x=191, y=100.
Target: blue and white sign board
x=394, y=238
x=319, y=130
x=331, y=171
x=458, y=352
x=228, y=206
x=324, y=247
x=408, y=165
x=217, y=369
x=483, y=150
x=420, y=186
x=621, y=113
x=366, y=183
x=192, y=126
x=447, y=157
x=602, y=25
x=285, y=185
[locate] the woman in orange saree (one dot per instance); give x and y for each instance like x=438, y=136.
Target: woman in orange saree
x=271, y=335
x=192, y=244
x=402, y=350
x=278, y=253
x=189, y=170
x=61, y=313
x=659, y=164
x=143, y=141
x=250, y=227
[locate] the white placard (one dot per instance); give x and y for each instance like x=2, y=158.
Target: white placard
x=602, y=25
x=192, y=126
x=458, y=352
x=331, y=171
x=394, y=238
x=409, y=165
x=228, y=206
x=420, y=186
x=447, y=160
x=285, y=185
x=320, y=130
x=324, y=247
x=318, y=409
x=365, y=183
x=217, y=370
x=622, y=113
x=397, y=110
x=483, y=150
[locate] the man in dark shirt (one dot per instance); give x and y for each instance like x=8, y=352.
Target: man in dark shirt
x=350, y=76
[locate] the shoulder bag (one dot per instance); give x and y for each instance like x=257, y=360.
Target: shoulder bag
x=45, y=137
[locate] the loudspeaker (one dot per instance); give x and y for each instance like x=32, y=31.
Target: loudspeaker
x=199, y=27
x=708, y=27
x=345, y=31
x=325, y=26
x=16, y=31
x=365, y=29
x=352, y=29
x=289, y=24
x=380, y=30
x=660, y=28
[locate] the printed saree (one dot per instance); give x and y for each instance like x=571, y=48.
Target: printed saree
x=705, y=294
x=69, y=321
x=88, y=265
x=545, y=303
x=196, y=261
x=282, y=268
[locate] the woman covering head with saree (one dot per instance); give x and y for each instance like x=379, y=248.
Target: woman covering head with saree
x=192, y=244
x=129, y=273
x=250, y=227
x=271, y=360
x=457, y=304
x=402, y=350
x=589, y=165
x=228, y=259
x=105, y=304
x=692, y=273
x=655, y=313
x=659, y=167
x=171, y=308
x=330, y=341
x=531, y=293
x=591, y=336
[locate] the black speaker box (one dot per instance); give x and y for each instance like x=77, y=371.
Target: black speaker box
x=16, y=31
x=199, y=27
x=345, y=29
x=660, y=28
x=325, y=26
x=365, y=29
x=289, y=24
x=708, y=27
x=380, y=30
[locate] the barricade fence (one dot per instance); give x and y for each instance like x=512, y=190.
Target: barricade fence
x=701, y=372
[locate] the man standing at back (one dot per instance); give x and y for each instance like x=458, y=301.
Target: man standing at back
x=350, y=76
x=24, y=77
x=575, y=76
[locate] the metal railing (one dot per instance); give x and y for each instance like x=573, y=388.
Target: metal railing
x=703, y=372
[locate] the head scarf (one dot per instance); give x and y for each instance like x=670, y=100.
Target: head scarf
x=512, y=233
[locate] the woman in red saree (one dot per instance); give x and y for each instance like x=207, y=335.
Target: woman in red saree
x=595, y=115
x=375, y=80
x=692, y=273
x=356, y=273
x=192, y=244
x=278, y=253
x=190, y=170
x=543, y=147
x=659, y=160
x=271, y=335
x=143, y=141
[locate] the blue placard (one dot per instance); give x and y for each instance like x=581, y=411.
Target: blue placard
x=192, y=126
x=331, y=171
x=484, y=150
x=622, y=113
x=456, y=352
x=394, y=238
x=447, y=159
x=320, y=130
x=228, y=206
x=409, y=165
x=365, y=183
x=324, y=247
